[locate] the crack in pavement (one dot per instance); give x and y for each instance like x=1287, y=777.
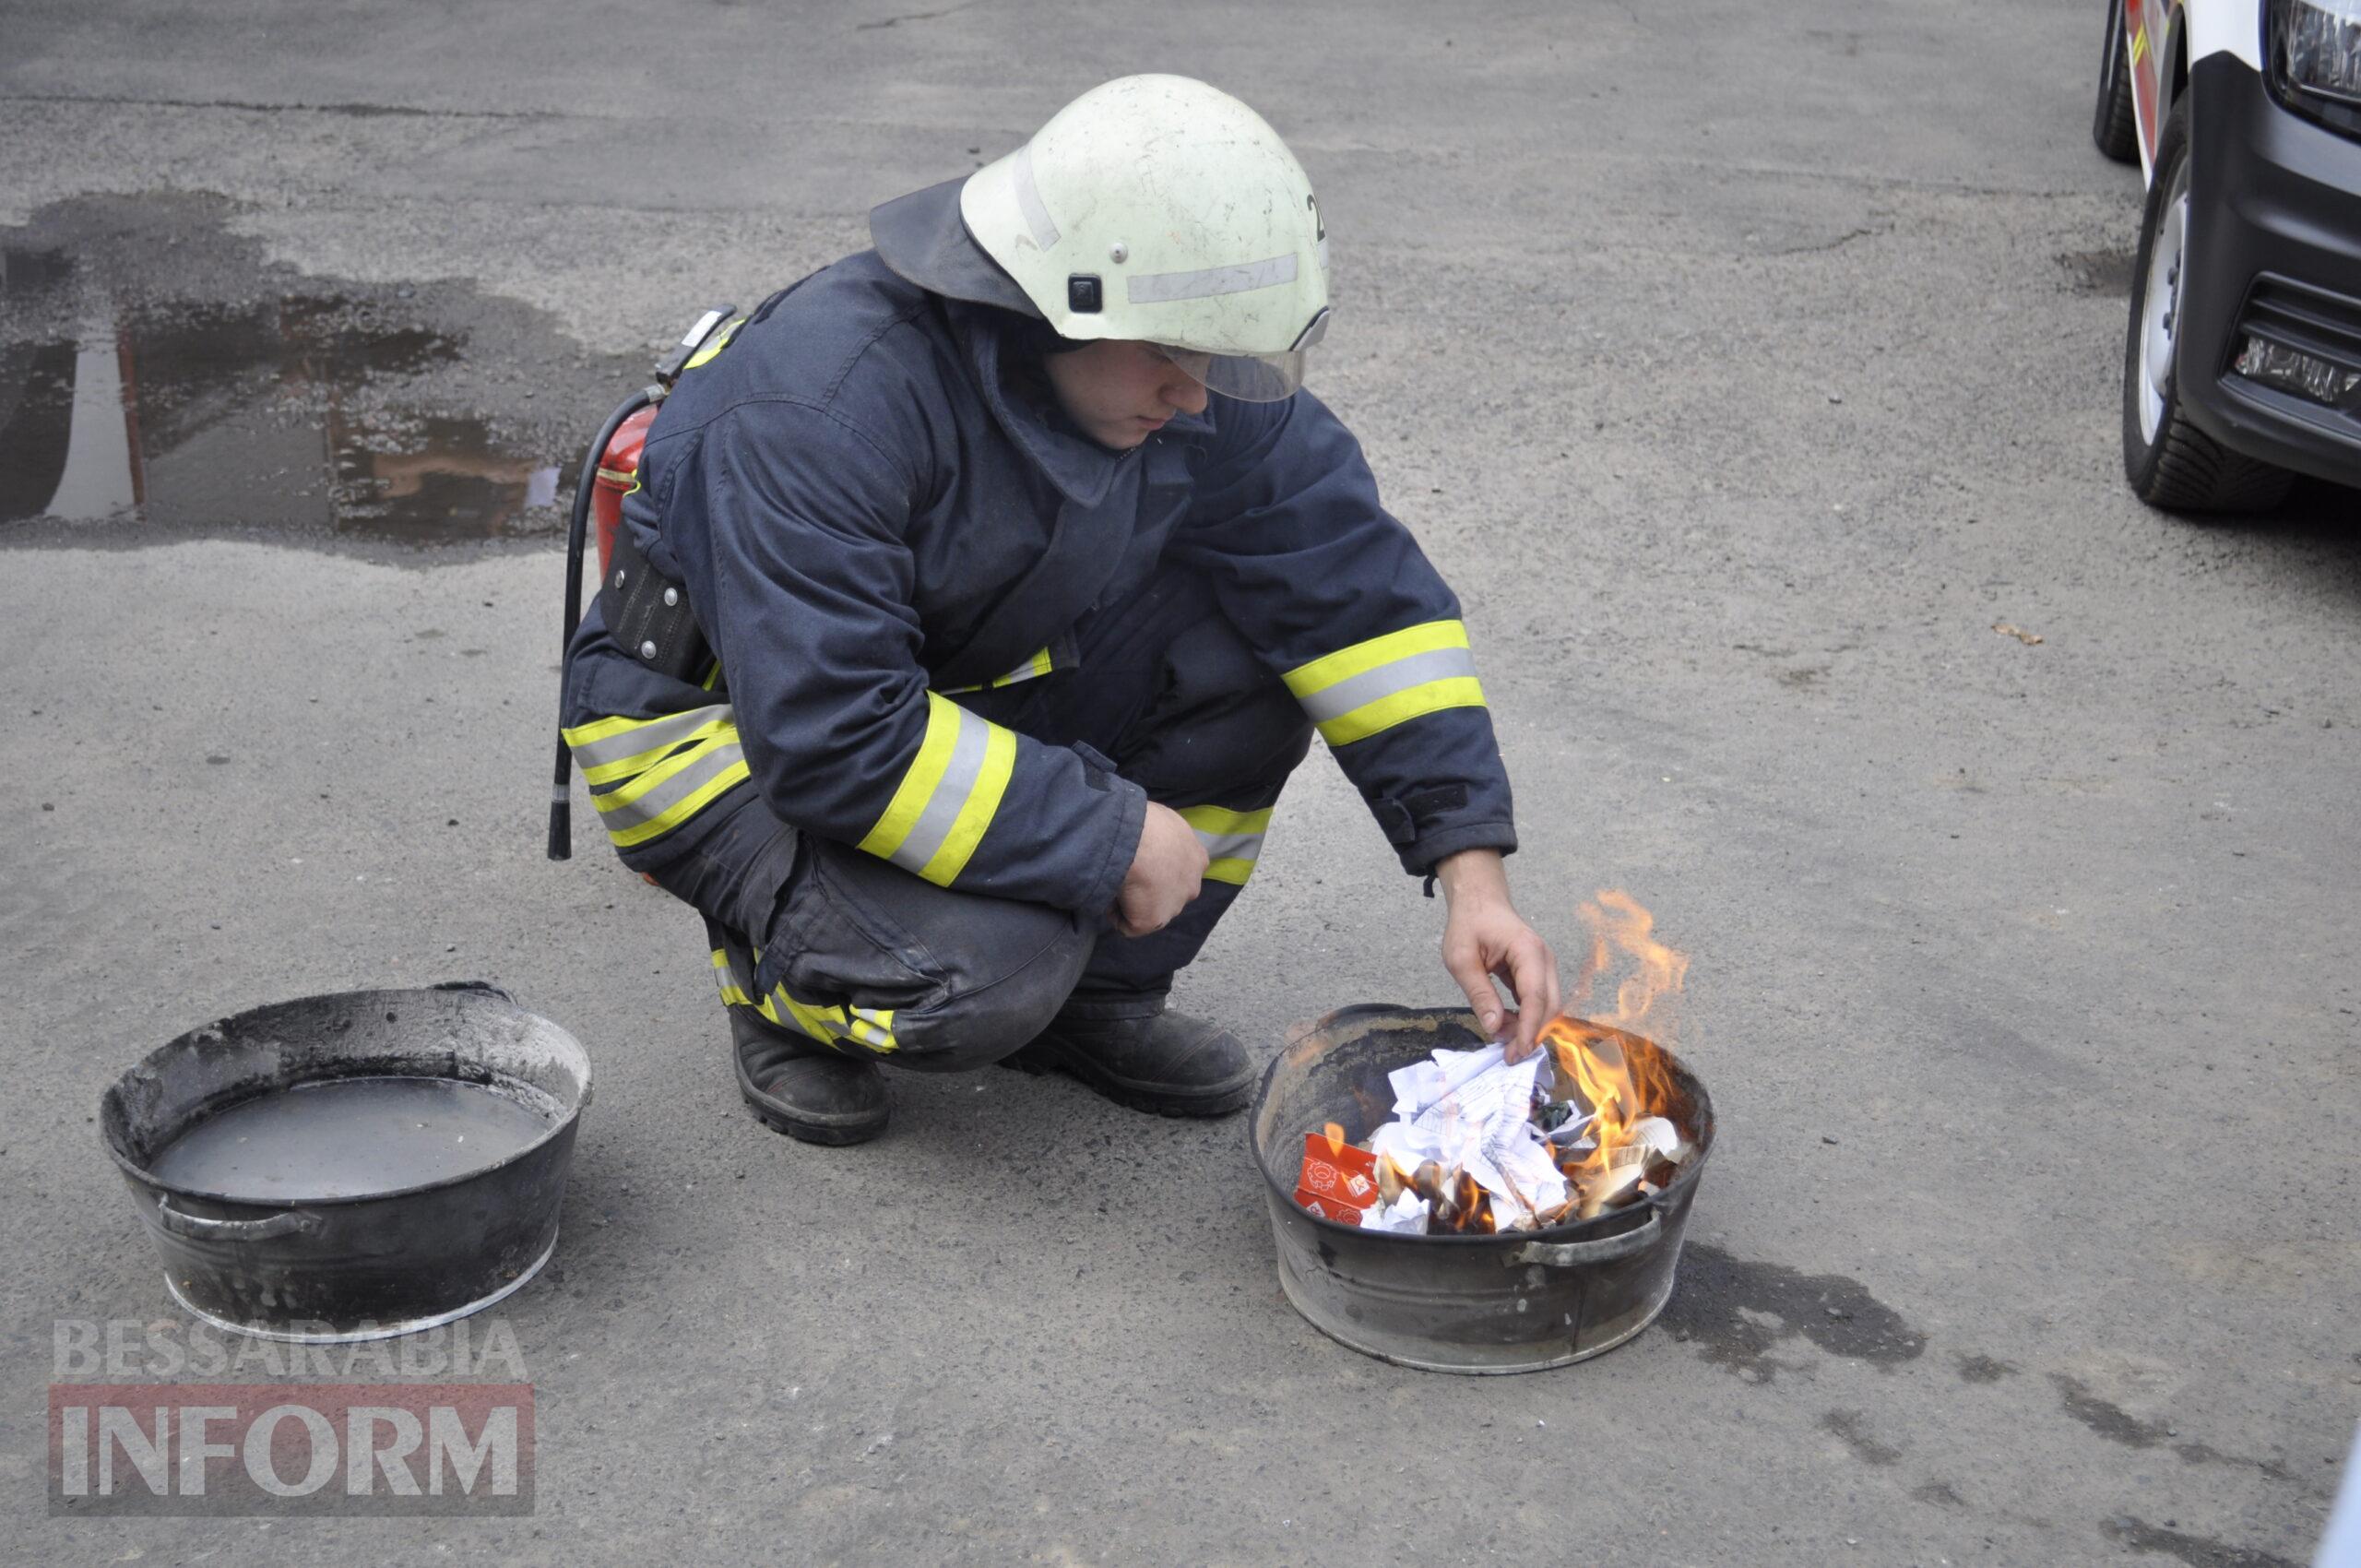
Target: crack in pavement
x=351, y=111
x=916, y=16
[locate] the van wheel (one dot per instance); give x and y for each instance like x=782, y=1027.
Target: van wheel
x=2116, y=126
x=2169, y=461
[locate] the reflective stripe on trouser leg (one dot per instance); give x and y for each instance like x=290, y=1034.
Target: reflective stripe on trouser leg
x=840, y=1026
x=1232, y=840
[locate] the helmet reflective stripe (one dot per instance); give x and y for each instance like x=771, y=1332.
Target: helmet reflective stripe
x=1028, y=199
x=1183, y=197
x=1158, y=287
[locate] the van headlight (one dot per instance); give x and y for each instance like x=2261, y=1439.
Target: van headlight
x=2314, y=59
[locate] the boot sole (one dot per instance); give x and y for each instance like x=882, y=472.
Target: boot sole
x=813, y=1132
x=1122, y=1091
x=834, y=1132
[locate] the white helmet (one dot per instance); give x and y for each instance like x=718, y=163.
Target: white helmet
x=1152, y=207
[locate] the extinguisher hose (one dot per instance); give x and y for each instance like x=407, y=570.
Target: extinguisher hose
x=561, y=778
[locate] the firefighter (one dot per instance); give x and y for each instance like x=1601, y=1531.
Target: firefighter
x=976, y=597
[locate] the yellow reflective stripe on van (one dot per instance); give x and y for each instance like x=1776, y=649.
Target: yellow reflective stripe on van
x=948, y=794
x=716, y=343
x=1360, y=691
x=1233, y=840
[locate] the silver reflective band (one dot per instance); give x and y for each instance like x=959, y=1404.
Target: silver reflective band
x=1230, y=846
x=1412, y=670
x=560, y=792
x=620, y=815
x=656, y=737
x=951, y=793
x=705, y=324
x=1028, y=200
x=1161, y=288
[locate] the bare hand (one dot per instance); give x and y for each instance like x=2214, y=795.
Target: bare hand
x=1166, y=870
x=1484, y=939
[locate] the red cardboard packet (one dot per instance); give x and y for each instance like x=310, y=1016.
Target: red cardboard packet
x=1336, y=1183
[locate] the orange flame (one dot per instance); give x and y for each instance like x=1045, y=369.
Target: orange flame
x=1622, y=1078
x=1334, y=1134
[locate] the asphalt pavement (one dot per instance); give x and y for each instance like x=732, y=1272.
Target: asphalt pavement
x=1746, y=370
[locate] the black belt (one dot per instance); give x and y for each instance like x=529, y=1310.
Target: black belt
x=647, y=613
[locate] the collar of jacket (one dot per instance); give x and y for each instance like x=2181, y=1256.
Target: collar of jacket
x=1081, y=469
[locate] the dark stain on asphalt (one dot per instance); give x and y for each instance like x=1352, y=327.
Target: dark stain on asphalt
x=160, y=380
x=1851, y=1426
x=2104, y=272
x=2110, y=1421
x=1738, y=1312
x=2197, y=1551
x=1940, y=1493
x=2119, y=1425
x=1984, y=1369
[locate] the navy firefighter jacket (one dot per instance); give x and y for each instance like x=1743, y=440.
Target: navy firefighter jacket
x=869, y=522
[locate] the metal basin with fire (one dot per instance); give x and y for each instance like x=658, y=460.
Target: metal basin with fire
x=1508, y=1302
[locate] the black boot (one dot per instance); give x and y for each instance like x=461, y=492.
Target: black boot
x=1128, y=1048
x=802, y=1089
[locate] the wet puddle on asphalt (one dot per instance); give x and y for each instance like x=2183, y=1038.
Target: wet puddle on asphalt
x=158, y=380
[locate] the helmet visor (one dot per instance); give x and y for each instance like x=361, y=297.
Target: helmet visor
x=1250, y=378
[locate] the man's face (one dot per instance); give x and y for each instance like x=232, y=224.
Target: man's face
x=1120, y=391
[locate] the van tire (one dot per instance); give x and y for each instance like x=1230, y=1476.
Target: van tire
x=2170, y=463
x=2115, y=125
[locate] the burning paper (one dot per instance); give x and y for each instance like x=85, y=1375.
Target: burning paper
x=1470, y=1110
x=1592, y=1123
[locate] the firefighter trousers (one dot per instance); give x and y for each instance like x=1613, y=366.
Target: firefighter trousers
x=852, y=950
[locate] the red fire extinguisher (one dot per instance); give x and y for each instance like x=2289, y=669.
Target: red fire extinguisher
x=609, y=470
x=618, y=473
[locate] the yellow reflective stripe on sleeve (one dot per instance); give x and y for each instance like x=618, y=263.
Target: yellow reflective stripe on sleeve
x=1037, y=665
x=1429, y=696
x=716, y=343
x=639, y=743
x=1233, y=840
x=1357, y=692
x=946, y=798
x=673, y=791
x=943, y=868
x=1312, y=679
x=918, y=786
x=663, y=770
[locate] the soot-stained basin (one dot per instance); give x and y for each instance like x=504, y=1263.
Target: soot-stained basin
x=1518, y=1301
x=353, y=1166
